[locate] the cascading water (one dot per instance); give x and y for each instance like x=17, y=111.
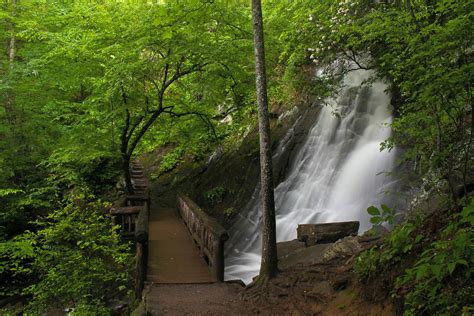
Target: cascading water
x=336, y=175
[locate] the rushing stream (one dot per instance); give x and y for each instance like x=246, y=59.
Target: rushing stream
x=338, y=172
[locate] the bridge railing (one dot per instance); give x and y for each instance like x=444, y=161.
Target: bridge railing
x=206, y=232
x=132, y=212
x=141, y=248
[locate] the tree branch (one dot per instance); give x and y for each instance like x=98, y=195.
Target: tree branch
x=135, y=125
x=202, y=116
x=165, y=85
x=179, y=74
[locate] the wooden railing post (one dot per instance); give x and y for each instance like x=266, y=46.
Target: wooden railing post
x=141, y=241
x=218, y=267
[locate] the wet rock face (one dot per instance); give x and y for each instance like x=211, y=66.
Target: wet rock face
x=291, y=142
x=326, y=233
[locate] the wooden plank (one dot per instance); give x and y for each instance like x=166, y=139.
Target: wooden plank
x=173, y=256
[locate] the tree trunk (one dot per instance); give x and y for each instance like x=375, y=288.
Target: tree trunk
x=269, y=263
x=12, y=45
x=9, y=96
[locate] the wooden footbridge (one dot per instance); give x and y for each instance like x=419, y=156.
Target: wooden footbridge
x=175, y=244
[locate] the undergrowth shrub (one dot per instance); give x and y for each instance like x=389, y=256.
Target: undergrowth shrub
x=229, y=212
x=215, y=195
x=437, y=274
x=75, y=259
x=171, y=160
x=440, y=280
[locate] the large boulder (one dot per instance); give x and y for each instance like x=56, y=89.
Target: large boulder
x=346, y=247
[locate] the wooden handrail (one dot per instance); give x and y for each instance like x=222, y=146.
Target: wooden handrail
x=125, y=210
x=208, y=234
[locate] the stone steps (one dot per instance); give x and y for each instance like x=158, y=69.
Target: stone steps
x=140, y=183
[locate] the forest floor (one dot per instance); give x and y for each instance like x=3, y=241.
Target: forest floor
x=323, y=288
x=310, y=285
x=196, y=299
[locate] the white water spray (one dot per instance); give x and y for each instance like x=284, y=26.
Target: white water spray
x=337, y=174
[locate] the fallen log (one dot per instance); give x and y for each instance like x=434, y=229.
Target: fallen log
x=311, y=234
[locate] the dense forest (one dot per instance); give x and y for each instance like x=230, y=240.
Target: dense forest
x=86, y=87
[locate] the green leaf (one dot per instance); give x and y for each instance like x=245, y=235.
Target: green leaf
x=372, y=210
x=436, y=270
x=451, y=267
x=376, y=220
x=422, y=271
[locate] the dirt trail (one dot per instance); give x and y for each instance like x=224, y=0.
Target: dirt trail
x=195, y=299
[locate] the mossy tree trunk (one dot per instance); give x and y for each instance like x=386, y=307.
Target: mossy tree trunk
x=269, y=263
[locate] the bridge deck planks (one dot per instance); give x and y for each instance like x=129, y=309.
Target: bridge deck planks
x=173, y=256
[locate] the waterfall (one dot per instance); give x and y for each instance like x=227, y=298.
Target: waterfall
x=336, y=175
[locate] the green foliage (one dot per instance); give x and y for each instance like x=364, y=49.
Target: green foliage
x=383, y=215
x=91, y=309
x=367, y=263
x=75, y=256
x=170, y=160
x=215, y=195
x=438, y=274
x=15, y=264
x=441, y=278
x=399, y=243
x=229, y=212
